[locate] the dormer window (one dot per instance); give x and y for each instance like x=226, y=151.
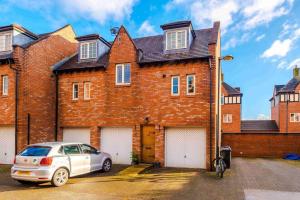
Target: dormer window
x=176, y=39
x=88, y=50
x=5, y=42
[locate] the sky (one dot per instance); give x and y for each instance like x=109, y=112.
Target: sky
x=262, y=35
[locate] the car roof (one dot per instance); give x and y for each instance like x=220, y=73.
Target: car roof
x=54, y=144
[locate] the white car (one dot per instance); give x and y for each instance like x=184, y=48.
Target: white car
x=57, y=161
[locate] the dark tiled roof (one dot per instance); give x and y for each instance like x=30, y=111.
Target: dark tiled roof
x=259, y=125
x=291, y=85
x=230, y=90
x=153, y=50
x=73, y=64
x=278, y=88
x=177, y=24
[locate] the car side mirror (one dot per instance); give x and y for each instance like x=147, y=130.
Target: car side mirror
x=98, y=152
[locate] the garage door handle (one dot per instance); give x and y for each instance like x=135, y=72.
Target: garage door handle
x=184, y=156
x=5, y=154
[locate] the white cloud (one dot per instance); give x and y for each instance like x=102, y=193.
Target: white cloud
x=294, y=63
x=205, y=12
x=278, y=48
x=281, y=48
x=260, y=37
x=263, y=117
x=146, y=29
x=234, y=41
x=250, y=13
x=100, y=10
x=282, y=65
x=259, y=12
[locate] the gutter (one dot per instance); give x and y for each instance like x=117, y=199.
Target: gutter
x=56, y=106
x=16, y=103
x=210, y=114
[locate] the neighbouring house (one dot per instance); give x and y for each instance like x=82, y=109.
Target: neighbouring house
x=154, y=97
x=285, y=104
x=27, y=98
x=231, y=106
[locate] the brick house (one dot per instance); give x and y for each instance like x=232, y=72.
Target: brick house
x=152, y=96
x=231, y=108
x=285, y=105
x=27, y=98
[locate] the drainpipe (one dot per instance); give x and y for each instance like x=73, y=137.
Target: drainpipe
x=28, y=128
x=56, y=106
x=210, y=114
x=16, y=103
x=287, y=112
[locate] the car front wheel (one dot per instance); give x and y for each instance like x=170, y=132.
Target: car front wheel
x=107, y=165
x=60, y=177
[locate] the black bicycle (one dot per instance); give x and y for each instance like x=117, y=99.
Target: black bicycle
x=220, y=166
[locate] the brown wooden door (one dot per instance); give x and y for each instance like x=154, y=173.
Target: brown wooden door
x=148, y=144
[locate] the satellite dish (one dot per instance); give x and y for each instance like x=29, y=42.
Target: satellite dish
x=114, y=30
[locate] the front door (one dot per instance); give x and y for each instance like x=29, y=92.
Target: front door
x=148, y=144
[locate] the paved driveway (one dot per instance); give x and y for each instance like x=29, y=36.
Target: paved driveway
x=250, y=179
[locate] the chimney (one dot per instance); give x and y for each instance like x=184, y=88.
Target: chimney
x=296, y=72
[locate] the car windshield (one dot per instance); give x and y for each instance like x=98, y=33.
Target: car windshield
x=36, y=151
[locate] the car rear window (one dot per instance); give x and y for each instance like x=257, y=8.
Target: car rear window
x=36, y=151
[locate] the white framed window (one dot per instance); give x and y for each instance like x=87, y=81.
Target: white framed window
x=230, y=100
x=225, y=100
x=295, y=117
x=5, y=85
x=234, y=100
x=176, y=39
x=175, y=86
x=5, y=42
x=227, y=118
x=297, y=97
x=87, y=90
x=282, y=99
x=190, y=85
x=123, y=74
x=238, y=99
x=88, y=50
x=75, y=95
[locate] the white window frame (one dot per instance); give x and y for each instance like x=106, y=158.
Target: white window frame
x=295, y=118
x=9, y=47
x=87, y=92
x=187, y=84
x=172, y=91
x=176, y=39
x=88, y=56
x=227, y=118
x=123, y=74
x=5, y=82
x=73, y=91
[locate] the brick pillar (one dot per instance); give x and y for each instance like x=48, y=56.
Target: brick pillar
x=136, y=140
x=160, y=145
x=95, y=137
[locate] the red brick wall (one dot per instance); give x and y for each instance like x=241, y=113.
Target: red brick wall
x=36, y=87
x=149, y=95
x=235, y=110
x=7, y=103
x=262, y=144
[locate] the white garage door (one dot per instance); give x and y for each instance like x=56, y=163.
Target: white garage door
x=77, y=135
x=118, y=143
x=7, y=145
x=185, y=147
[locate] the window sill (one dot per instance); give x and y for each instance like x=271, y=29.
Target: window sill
x=4, y=96
x=190, y=95
x=122, y=85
